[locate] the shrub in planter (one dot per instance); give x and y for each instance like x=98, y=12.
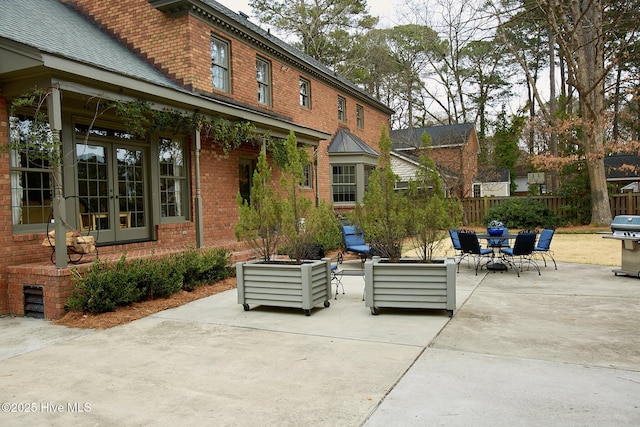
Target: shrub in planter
x=387, y=216
x=285, y=221
x=431, y=214
x=383, y=215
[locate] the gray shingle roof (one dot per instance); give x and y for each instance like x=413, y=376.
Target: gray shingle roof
x=622, y=166
x=409, y=139
x=58, y=29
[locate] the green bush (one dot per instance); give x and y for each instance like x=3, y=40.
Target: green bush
x=523, y=213
x=329, y=236
x=104, y=287
x=204, y=266
x=109, y=285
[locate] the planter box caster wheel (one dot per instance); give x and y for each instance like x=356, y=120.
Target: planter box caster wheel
x=327, y=303
x=374, y=311
x=246, y=307
x=307, y=312
x=450, y=313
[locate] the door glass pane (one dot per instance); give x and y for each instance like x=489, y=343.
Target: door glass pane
x=130, y=188
x=93, y=186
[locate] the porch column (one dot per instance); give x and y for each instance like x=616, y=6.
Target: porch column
x=54, y=108
x=198, y=199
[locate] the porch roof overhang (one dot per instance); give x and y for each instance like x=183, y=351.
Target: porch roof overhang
x=28, y=64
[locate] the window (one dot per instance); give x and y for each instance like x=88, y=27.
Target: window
x=344, y=183
x=173, y=178
x=31, y=186
x=263, y=76
x=305, y=87
x=360, y=116
x=477, y=190
x=220, y=64
x=342, y=109
x=308, y=176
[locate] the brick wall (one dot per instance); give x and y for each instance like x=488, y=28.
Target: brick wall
x=181, y=47
x=5, y=196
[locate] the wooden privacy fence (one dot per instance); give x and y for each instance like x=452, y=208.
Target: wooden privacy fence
x=475, y=209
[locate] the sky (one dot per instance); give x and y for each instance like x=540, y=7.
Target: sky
x=384, y=9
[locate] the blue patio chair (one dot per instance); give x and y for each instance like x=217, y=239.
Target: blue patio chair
x=353, y=239
x=523, y=249
x=455, y=242
x=542, y=247
x=471, y=247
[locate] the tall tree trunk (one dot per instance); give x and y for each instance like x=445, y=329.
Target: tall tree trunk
x=553, y=137
x=589, y=75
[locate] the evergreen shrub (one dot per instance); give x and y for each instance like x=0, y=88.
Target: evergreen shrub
x=108, y=285
x=522, y=213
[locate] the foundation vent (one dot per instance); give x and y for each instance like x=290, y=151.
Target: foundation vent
x=34, y=302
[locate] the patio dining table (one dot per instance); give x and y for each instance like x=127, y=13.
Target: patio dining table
x=496, y=265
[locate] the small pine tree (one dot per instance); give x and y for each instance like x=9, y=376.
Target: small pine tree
x=298, y=211
x=383, y=215
x=259, y=220
x=431, y=214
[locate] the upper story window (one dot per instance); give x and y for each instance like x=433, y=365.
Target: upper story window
x=263, y=76
x=305, y=93
x=220, y=64
x=360, y=116
x=342, y=109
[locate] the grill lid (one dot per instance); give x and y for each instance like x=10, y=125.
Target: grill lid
x=625, y=223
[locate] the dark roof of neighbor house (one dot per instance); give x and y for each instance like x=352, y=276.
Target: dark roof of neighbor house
x=346, y=142
x=58, y=29
x=441, y=136
x=493, y=175
x=623, y=167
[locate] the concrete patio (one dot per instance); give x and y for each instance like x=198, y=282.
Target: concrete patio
x=562, y=348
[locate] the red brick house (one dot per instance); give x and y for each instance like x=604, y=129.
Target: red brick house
x=161, y=192
x=455, y=150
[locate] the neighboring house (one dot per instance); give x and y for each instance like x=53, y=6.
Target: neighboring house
x=455, y=150
x=405, y=166
x=164, y=191
x=623, y=171
x=492, y=183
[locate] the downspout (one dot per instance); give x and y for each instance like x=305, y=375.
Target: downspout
x=54, y=108
x=198, y=199
x=315, y=174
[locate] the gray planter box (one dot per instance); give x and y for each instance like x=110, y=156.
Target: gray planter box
x=284, y=285
x=410, y=285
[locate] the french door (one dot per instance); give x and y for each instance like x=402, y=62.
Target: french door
x=113, y=190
